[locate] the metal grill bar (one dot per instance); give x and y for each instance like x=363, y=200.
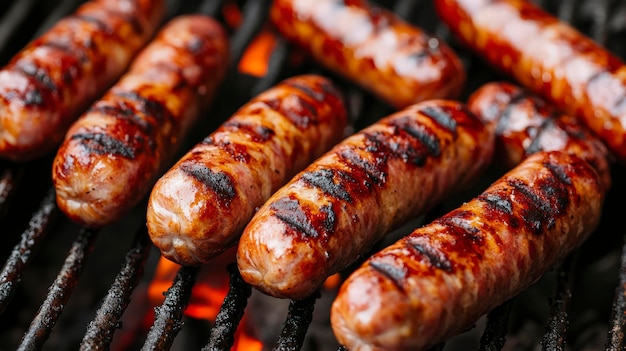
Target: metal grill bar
x=556, y=327
x=299, y=317
x=101, y=328
x=230, y=314
x=617, y=324
x=168, y=317
x=24, y=251
x=59, y=292
x=494, y=336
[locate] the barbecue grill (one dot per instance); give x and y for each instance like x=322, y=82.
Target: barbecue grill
x=67, y=287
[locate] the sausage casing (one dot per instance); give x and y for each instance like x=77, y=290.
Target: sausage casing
x=200, y=206
x=367, y=185
x=525, y=124
x=548, y=57
x=112, y=154
x=438, y=280
x=46, y=86
x=397, y=62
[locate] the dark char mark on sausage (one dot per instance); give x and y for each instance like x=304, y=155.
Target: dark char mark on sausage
x=395, y=274
x=257, y=133
x=410, y=142
x=442, y=117
x=103, y=144
x=505, y=114
x=301, y=114
x=219, y=182
x=435, y=257
x=317, y=225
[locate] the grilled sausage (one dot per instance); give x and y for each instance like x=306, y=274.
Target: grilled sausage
x=369, y=184
x=548, y=57
x=46, y=86
x=113, y=153
x=524, y=124
x=200, y=206
x=438, y=280
x=394, y=60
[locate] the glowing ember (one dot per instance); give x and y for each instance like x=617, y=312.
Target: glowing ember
x=256, y=58
x=207, y=295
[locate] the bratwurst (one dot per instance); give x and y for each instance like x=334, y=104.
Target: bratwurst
x=396, y=61
x=548, y=57
x=525, y=124
x=437, y=281
x=48, y=84
x=200, y=206
x=114, y=152
x=370, y=183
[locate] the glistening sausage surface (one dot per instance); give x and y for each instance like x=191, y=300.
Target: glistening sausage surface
x=549, y=57
x=113, y=153
x=394, y=60
x=438, y=280
x=48, y=84
x=367, y=185
x=525, y=124
x=200, y=206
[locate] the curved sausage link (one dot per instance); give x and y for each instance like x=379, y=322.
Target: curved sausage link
x=437, y=281
x=200, y=206
x=525, y=124
x=548, y=57
x=113, y=153
x=46, y=86
x=372, y=182
x=394, y=60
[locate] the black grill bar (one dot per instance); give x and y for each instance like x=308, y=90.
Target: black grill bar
x=617, y=324
x=494, y=336
x=168, y=317
x=223, y=332
x=24, y=251
x=107, y=320
x=9, y=183
x=558, y=321
x=298, y=320
x=59, y=292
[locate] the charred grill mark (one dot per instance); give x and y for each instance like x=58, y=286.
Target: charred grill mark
x=391, y=272
x=66, y=47
x=121, y=110
x=435, y=257
x=306, y=89
x=505, y=115
x=104, y=144
x=147, y=106
x=375, y=174
x=537, y=211
x=101, y=25
x=420, y=133
x=289, y=211
x=219, y=182
x=549, y=123
x=40, y=74
x=442, y=116
x=497, y=202
x=300, y=112
x=324, y=180
x=257, y=133
x=559, y=172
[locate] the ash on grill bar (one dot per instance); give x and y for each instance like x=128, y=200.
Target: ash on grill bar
x=63, y=287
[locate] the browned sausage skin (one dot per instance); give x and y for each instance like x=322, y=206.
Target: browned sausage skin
x=113, y=153
x=524, y=124
x=370, y=183
x=396, y=61
x=53, y=79
x=200, y=206
x=441, y=278
x=548, y=57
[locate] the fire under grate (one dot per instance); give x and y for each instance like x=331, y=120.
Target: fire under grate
x=50, y=246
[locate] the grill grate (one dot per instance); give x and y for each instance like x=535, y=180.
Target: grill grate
x=603, y=20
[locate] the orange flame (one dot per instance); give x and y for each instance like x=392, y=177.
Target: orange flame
x=256, y=58
x=207, y=294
